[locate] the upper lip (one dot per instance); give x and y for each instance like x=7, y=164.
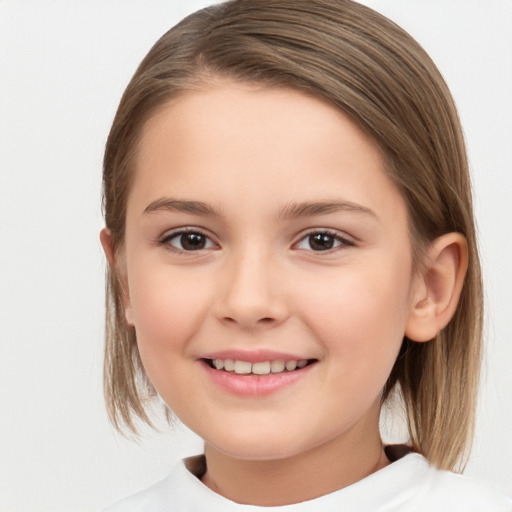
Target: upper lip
x=253, y=356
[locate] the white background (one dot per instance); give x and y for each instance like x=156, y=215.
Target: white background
x=63, y=67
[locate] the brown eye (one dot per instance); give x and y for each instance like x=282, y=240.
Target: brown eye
x=189, y=241
x=322, y=241
x=192, y=241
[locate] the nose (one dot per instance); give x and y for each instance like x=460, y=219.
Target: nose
x=249, y=294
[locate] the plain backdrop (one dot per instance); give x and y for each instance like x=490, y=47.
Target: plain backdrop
x=63, y=67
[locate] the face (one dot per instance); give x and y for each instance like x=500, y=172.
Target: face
x=268, y=269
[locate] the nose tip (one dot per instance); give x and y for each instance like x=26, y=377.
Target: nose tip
x=249, y=310
x=250, y=297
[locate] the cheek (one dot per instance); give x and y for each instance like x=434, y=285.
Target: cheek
x=360, y=314
x=167, y=310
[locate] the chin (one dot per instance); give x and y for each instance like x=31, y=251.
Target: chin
x=263, y=446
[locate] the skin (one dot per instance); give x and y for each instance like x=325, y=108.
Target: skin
x=249, y=153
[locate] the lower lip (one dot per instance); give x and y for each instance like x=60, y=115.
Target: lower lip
x=255, y=385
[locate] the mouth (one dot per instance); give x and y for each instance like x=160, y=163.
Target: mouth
x=262, y=368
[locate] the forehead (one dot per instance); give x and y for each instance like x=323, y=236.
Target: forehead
x=272, y=116
x=237, y=139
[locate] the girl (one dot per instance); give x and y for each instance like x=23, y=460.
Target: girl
x=291, y=245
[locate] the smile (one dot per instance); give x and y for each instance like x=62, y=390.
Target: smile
x=256, y=374
x=241, y=367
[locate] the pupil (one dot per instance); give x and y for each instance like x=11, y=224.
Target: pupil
x=321, y=242
x=192, y=241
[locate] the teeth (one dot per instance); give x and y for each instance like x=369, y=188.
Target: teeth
x=242, y=367
x=229, y=365
x=277, y=366
x=262, y=368
x=291, y=365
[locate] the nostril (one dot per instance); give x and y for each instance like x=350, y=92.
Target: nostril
x=262, y=321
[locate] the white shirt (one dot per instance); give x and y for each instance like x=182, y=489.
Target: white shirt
x=408, y=485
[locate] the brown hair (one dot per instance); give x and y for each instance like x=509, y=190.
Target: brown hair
x=372, y=70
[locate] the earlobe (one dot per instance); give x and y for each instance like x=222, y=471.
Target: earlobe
x=128, y=315
x=108, y=248
x=438, y=287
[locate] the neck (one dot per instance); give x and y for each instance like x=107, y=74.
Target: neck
x=308, y=475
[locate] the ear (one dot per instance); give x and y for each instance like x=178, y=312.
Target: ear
x=438, y=286
x=113, y=263
x=108, y=247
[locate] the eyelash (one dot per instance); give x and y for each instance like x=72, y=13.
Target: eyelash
x=337, y=239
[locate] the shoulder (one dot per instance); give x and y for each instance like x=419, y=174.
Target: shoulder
x=447, y=491
x=153, y=498
x=408, y=485
x=181, y=490
x=178, y=491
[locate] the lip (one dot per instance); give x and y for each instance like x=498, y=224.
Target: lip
x=254, y=385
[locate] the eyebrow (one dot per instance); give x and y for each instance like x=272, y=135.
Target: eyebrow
x=310, y=209
x=177, y=205
x=289, y=211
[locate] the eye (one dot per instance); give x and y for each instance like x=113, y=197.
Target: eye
x=188, y=241
x=322, y=241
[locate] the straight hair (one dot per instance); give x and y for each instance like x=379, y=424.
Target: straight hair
x=373, y=71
